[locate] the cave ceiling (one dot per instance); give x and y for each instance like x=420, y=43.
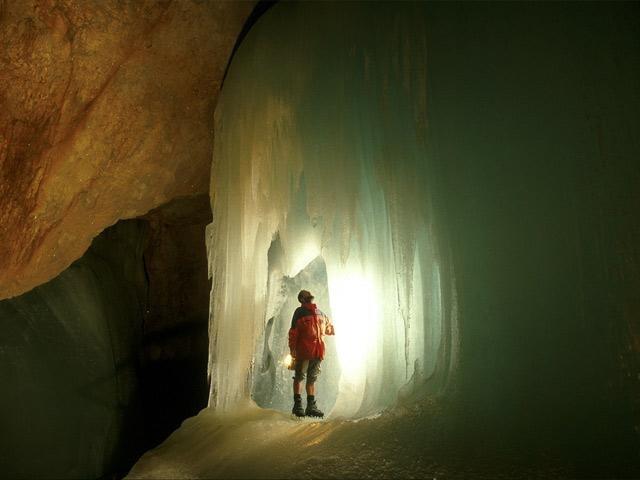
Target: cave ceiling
x=106, y=111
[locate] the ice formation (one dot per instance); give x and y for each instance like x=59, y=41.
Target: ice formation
x=320, y=180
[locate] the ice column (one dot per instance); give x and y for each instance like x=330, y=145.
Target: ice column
x=320, y=143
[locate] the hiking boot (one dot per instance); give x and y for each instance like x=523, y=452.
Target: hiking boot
x=297, y=410
x=312, y=409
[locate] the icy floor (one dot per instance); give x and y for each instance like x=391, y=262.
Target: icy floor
x=258, y=443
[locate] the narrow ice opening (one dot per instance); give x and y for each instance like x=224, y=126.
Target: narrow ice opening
x=272, y=381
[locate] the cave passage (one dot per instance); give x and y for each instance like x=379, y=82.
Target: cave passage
x=271, y=381
x=110, y=356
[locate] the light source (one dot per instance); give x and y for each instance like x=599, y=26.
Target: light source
x=356, y=316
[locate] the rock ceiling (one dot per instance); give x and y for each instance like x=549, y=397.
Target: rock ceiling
x=106, y=111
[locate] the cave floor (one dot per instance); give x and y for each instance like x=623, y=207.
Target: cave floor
x=402, y=443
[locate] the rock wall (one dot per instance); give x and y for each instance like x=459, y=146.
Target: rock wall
x=108, y=358
x=106, y=111
x=174, y=351
x=70, y=406
x=532, y=128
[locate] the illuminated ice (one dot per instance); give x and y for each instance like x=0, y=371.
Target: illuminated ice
x=320, y=163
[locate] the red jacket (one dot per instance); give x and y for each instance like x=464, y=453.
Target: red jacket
x=308, y=326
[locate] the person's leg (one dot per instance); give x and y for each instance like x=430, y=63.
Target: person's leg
x=300, y=369
x=311, y=388
x=312, y=375
x=313, y=371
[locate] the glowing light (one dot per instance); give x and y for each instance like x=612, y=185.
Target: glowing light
x=356, y=317
x=303, y=256
x=288, y=361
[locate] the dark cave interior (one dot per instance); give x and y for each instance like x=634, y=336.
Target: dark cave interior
x=532, y=115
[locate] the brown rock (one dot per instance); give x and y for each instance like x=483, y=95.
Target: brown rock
x=106, y=112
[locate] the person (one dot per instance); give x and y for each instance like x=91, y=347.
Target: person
x=306, y=346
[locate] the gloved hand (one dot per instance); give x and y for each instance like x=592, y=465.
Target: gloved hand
x=329, y=330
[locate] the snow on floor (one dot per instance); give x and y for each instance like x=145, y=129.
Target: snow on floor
x=258, y=443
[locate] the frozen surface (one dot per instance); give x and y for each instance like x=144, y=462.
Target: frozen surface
x=260, y=443
x=320, y=155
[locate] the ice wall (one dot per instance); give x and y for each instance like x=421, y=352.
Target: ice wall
x=320, y=143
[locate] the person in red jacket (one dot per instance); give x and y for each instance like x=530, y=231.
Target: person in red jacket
x=306, y=346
